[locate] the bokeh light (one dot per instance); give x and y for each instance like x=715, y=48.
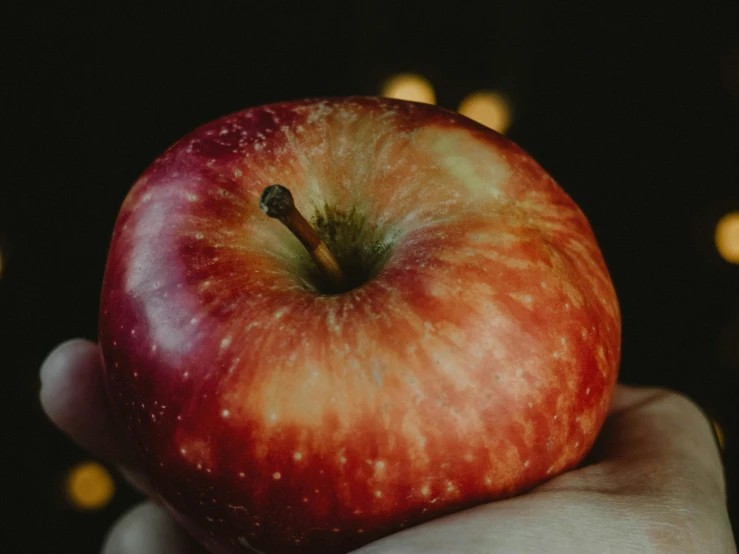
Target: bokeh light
x=89, y=486
x=409, y=86
x=491, y=108
x=719, y=434
x=727, y=237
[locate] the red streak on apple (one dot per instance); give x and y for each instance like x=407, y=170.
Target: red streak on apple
x=478, y=362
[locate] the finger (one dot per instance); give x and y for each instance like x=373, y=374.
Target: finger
x=651, y=424
x=148, y=529
x=655, y=441
x=73, y=396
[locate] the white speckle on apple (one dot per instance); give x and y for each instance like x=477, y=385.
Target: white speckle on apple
x=133, y=331
x=305, y=499
x=555, y=355
x=279, y=313
x=200, y=466
x=587, y=391
x=519, y=372
x=186, y=374
x=191, y=197
x=551, y=468
x=527, y=463
x=193, y=321
x=225, y=342
x=242, y=474
x=378, y=494
x=426, y=490
x=468, y=457
x=153, y=347
x=273, y=416
x=297, y=456
x=199, y=236
x=225, y=413
x=379, y=465
x=342, y=460
x=577, y=444
x=146, y=197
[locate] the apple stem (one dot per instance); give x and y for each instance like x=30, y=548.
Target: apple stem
x=277, y=202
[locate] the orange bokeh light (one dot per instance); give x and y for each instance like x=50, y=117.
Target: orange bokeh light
x=89, y=486
x=727, y=237
x=409, y=86
x=491, y=108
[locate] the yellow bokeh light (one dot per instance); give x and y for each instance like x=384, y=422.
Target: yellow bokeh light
x=719, y=434
x=491, y=108
x=89, y=486
x=409, y=86
x=727, y=237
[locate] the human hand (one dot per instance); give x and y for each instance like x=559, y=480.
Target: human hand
x=654, y=483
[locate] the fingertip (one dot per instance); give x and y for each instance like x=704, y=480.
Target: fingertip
x=58, y=367
x=148, y=529
x=73, y=396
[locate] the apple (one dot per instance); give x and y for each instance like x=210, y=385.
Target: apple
x=464, y=350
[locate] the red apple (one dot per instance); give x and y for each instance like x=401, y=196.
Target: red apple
x=470, y=355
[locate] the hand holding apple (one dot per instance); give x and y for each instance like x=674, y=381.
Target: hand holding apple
x=467, y=353
x=653, y=483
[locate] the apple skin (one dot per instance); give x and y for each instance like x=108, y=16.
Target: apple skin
x=477, y=363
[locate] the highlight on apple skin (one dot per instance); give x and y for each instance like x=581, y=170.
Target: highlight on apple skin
x=470, y=354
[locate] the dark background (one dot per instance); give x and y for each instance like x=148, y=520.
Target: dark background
x=634, y=111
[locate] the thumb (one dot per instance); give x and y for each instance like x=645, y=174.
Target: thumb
x=653, y=423
x=655, y=440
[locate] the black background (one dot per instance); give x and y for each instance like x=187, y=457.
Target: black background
x=635, y=111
